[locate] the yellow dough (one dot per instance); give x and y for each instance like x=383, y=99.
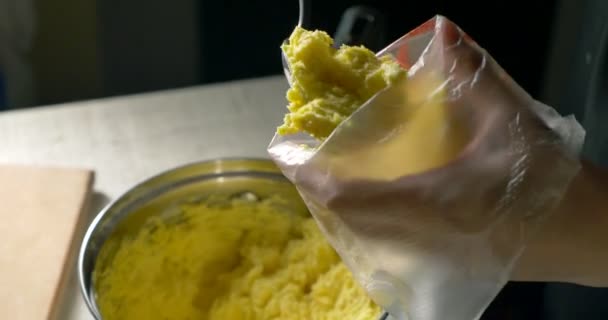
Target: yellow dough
x=420, y=131
x=328, y=85
x=238, y=260
x=423, y=134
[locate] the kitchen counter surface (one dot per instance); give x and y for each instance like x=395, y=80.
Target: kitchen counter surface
x=127, y=139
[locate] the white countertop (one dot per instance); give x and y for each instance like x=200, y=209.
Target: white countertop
x=127, y=139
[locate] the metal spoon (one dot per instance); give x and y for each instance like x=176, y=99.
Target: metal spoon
x=303, y=20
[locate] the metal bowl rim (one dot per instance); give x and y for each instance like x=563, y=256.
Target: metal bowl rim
x=84, y=244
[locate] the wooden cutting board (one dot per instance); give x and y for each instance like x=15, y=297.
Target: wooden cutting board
x=41, y=210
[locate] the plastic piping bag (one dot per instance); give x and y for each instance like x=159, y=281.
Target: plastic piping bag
x=439, y=243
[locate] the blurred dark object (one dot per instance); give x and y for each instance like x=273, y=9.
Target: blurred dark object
x=577, y=82
x=361, y=25
x=3, y=97
x=241, y=39
x=96, y=49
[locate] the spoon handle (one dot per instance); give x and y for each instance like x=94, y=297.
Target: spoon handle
x=304, y=16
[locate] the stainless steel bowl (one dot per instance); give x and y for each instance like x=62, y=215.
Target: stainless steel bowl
x=124, y=216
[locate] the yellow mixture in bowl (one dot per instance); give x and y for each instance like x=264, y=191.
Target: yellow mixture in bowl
x=236, y=259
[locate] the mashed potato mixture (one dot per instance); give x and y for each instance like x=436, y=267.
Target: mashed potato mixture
x=236, y=259
x=420, y=130
x=329, y=84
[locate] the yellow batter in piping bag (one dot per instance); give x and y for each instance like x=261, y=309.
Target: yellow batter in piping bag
x=328, y=85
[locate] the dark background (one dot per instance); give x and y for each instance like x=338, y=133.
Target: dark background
x=84, y=49
x=517, y=33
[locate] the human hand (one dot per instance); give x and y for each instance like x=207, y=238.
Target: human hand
x=433, y=187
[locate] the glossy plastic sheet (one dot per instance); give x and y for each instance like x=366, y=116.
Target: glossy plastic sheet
x=439, y=243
